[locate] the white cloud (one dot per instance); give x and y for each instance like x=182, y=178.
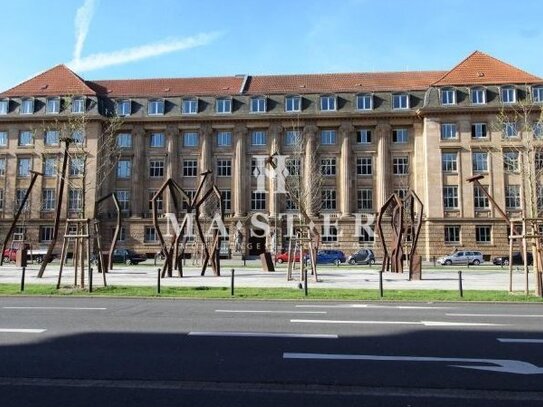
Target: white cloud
x=82, y=22
x=123, y=56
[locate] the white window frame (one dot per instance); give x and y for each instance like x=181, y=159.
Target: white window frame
x=328, y=199
x=157, y=167
x=156, y=107
x=157, y=140
x=293, y=104
x=223, y=105
x=190, y=167
x=22, y=141
x=292, y=137
x=400, y=140
x=224, y=138
x=124, y=168
x=477, y=95
x=328, y=167
x=48, y=199
x=188, y=136
x=328, y=103
x=477, y=132
x=364, y=102
x=224, y=167
x=364, y=136
x=447, y=96
x=511, y=161
x=50, y=166
x=400, y=165
x=364, y=166
x=450, y=197
x=52, y=105
x=189, y=105
x=78, y=137
x=46, y=233
x=79, y=105
x=27, y=106
x=258, y=201
x=477, y=159
x=328, y=137
x=124, y=140
x=448, y=131
x=510, y=130
x=51, y=138
x=537, y=94
x=449, y=165
x=480, y=199
x=508, y=94
x=258, y=138
x=258, y=104
x=364, y=199
x=4, y=106
x=512, y=197
x=4, y=138
x=452, y=231
x=487, y=234
x=124, y=107
x=401, y=101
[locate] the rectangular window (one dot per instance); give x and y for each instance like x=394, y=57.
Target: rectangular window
x=155, y=107
x=327, y=103
x=157, y=140
x=364, y=166
x=19, y=197
x=483, y=234
x=329, y=234
x=448, y=97
x=124, y=168
x=328, y=167
x=46, y=233
x=226, y=196
x=156, y=168
x=78, y=137
x=77, y=166
x=75, y=199
x=124, y=107
x=189, y=106
x=400, y=136
x=48, y=199
x=27, y=106
x=478, y=96
x=51, y=138
x=224, y=167
x=450, y=197
x=23, y=167
x=290, y=204
x=258, y=104
x=3, y=138
x=328, y=199
x=78, y=105
x=452, y=234
x=364, y=199
x=292, y=137
x=258, y=138
x=449, y=162
x=479, y=162
x=258, y=201
x=2, y=167
x=224, y=138
x=400, y=165
x=159, y=201
x=293, y=166
x=50, y=166
x=26, y=138
x=510, y=130
x=364, y=102
x=4, y=106
x=401, y=192
x=191, y=193
x=508, y=95
x=190, y=139
x=538, y=158
x=52, y=106
x=478, y=130
x=1, y=199
x=480, y=199
x=512, y=196
x=540, y=197
x=124, y=140
x=537, y=94
x=328, y=137
x=149, y=234
x=448, y=131
x=400, y=101
x=124, y=200
x=190, y=168
x=293, y=103
x=366, y=234
x=537, y=130
x=511, y=161
x=363, y=136
x=223, y=105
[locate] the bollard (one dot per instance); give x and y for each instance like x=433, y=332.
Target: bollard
x=381, y=283
x=232, y=283
x=460, y=288
x=23, y=279
x=158, y=281
x=305, y=281
x=90, y=280
x=244, y=261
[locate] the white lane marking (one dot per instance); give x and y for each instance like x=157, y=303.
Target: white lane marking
x=502, y=365
x=264, y=335
x=373, y=306
x=498, y=315
x=22, y=331
x=514, y=340
x=333, y=306
x=268, y=311
x=60, y=308
x=425, y=323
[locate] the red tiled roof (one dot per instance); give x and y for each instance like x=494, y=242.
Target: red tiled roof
x=482, y=69
x=229, y=85
x=57, y=81
x=336, y=82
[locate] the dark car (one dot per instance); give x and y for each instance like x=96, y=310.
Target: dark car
x=516, y=259
x=126, y=256
x=330, y=256
x=362, y=256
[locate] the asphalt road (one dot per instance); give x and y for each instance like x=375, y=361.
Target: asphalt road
x=116, y=352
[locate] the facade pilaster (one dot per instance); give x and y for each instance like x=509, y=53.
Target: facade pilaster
x=239, y=192
x=383, y=165
x=346, y=132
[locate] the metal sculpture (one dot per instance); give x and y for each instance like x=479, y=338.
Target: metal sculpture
x=406, y=222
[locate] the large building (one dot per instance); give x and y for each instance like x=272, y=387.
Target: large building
x=372, y=133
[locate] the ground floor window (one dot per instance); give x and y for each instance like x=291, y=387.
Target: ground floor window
x=452, y=234
x=483, y=234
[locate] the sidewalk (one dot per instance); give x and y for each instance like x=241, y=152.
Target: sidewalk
x=330, y=276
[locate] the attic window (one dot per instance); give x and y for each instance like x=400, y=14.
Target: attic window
x=44, y=86
x=301, y=86
x=480, y=74
x=167, y=90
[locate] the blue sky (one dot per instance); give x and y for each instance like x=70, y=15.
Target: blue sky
x=106, y=39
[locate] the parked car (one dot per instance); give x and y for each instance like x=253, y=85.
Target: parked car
x=37, y=255
x=516, y=259
x=362, y=256
x=283, y=257
x=126, y=256
x=462, y=257
x=330, y=256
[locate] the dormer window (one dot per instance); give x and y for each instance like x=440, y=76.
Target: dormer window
x=508, y=94
x=155, y=107
x=293, y=103
x=124, y=107
x=400, y=101
x=223, y=105
x=478, y=96
x=78, y=105
x=53, y=106
x=4, y=106
x=448, y=96
x=328, y=103
x=258, y=104
x=364, y=102
x=537, y=94
x=189, y=106
x=27, y=106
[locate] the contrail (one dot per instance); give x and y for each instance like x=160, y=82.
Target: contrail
x=82, y=22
